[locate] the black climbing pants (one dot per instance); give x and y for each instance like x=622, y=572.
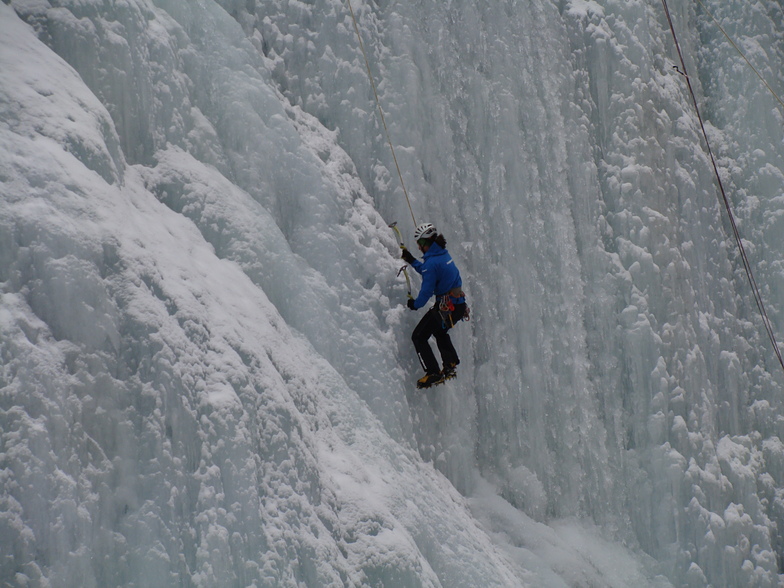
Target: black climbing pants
x=436, y=323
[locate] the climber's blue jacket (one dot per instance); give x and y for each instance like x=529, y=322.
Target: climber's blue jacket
x=439, y=275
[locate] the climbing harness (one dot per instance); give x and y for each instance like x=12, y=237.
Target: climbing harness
x=736, y=233
x=380, y=110
x=446, y=306
x=447, y=301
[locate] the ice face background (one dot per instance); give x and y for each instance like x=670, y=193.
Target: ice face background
x=207, y=374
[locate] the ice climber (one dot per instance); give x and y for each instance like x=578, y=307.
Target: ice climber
x=440, y=277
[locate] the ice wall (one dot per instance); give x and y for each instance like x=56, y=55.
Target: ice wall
x=162, y=422
x=618, y=362
x=201, y=327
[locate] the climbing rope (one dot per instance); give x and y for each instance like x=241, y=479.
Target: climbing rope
x=746, y=264
x=759, y=75
x=380, y=110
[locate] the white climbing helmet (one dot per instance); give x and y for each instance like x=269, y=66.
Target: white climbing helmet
x=425, y=231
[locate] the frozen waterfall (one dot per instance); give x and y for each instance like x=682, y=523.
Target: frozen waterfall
x=207, y=373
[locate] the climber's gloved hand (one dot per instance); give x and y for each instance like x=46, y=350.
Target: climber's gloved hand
x=407, y=256
x=410, y=304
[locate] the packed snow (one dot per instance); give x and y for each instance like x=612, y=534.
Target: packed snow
x=207, y=374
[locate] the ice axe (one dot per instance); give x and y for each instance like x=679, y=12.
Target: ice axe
x=404, y=269
x=393, y=226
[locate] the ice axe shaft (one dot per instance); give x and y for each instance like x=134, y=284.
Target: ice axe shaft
x=393, y=226
x=404, y=269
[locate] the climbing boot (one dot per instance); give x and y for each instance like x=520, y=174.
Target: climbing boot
x=429, y=380
x=449, y=370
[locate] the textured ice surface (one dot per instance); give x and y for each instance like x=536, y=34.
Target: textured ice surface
x=206, y=365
